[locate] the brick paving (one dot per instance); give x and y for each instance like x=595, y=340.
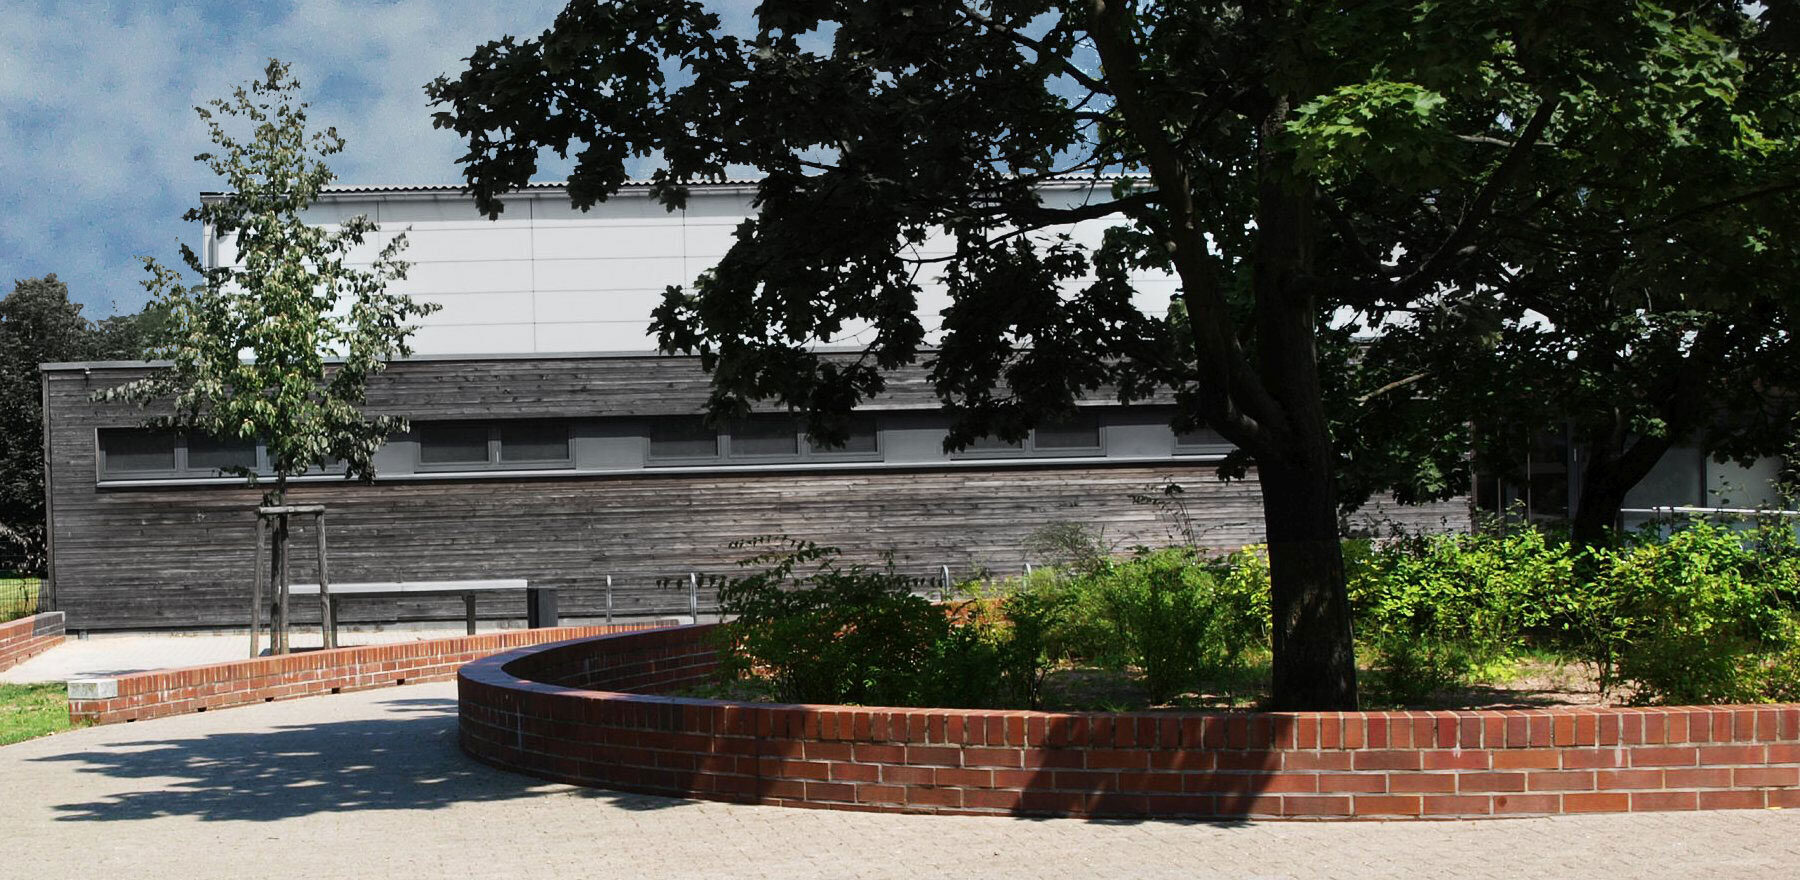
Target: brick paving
x=371, y=784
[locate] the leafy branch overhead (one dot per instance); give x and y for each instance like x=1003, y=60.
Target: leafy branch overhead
x=1301, y=170
x=277, y=341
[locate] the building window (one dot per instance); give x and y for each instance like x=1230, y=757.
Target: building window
x=498, y=446
x=143, y=453
x=1201, y=441
x=1078, y=434
x=757, y=439
x=682, y=438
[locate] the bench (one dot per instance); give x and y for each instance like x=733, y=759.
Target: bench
x=540, y=605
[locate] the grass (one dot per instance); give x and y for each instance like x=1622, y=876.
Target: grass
x=28, y=711
x=18, y=597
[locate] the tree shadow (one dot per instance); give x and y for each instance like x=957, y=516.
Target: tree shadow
x=408, y=761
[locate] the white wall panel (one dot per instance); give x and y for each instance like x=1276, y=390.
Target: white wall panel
x=580, y=242
x=481, y=309
x=595, y=336
x=597, y=305
x=474, y=276
x=613, y=274
x=501, y=241
x=473, y=339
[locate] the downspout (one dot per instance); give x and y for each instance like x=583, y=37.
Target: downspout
x=47, y=595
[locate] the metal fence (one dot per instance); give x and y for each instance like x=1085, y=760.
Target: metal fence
x=18, y=597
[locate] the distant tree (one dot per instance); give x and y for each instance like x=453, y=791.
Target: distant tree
x=38, y=324
x=278, y=345
x=1305, y=161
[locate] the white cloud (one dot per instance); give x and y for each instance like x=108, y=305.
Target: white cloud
x=97, y=131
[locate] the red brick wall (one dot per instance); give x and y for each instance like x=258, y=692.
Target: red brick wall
x=199, y=688
x=532, y=711
x=29, y=636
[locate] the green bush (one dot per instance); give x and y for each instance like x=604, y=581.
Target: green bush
x=1174, y=615
x=1440, y=611
x=821, y=633
x=1703, y=616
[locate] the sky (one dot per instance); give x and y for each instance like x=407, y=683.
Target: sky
x=98, y=132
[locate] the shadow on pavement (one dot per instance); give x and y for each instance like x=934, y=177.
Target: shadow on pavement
x=409, y=762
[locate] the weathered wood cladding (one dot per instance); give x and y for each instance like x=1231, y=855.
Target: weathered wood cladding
x=180, y=556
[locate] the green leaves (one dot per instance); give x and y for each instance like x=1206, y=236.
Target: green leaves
x=1394, y=131
x=279, y=344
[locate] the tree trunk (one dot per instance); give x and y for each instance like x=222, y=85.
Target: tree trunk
x=1314, y=653
x=1607, y=476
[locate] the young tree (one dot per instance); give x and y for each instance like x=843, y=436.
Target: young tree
x=277, y=345
x=1303, y=160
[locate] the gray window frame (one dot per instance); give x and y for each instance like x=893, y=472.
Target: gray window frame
x=181, y=469
x=494, y=461
x=804, y=452
x=1028, y=447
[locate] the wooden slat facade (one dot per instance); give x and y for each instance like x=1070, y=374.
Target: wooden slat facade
x=181, y=556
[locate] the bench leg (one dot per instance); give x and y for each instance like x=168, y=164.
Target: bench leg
x=469, y=606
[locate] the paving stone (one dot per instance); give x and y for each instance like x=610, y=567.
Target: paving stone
x=371, y=784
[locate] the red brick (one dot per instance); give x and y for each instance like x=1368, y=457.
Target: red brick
x=1596, y=802
x=1613, y=780
x=1786, y=798
x=933, y=797
x=1315, y=761
x=973, y=757
x=1118, y=759
x=1470, y=759
x=1166, y=783
x=1714, y=756
x=1457, y=805
x=1249, y=760
x=855, y=773
x=896, y=774
x=1248, y=805
x=1731, y=800
x=831, y=791
x=1527, y=803
x=934, y=755
x=1590, y=759
x=1528, y=759
x=1470, y=782
x=881, y=794
x=1783, y=753
x=1664, y=756
x=1300, y=805
x=1644, y=801
x=1744, y=777
x=1183, y=805
x=1560, y=780
x=1704, y=777
x=995, y=800
x=1371, y=783
x=1388, y=805
x=1390, y=759
x=963, y=778
x=877, y=754
x=1436, y=783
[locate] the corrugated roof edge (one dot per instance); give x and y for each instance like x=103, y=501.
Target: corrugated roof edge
x=551, y=186
x=62, y=366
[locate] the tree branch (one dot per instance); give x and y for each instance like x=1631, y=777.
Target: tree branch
x=1069, y=68
x=1483, y=204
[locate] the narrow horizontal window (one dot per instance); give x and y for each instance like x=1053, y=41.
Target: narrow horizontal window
x=137, y=451
x=534, y=442
x=453, y=444
x=860, y=440
x=211, y=454
x=1079, y=432
x=682, y=437
x=765, y=436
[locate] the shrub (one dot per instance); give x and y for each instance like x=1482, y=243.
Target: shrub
x=1439, y=611
x=1172, y=614
x=1703, y=616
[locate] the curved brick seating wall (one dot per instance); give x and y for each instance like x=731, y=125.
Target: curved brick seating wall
x=586, y=712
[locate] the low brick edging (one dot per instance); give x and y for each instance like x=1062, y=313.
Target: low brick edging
x=27, y=637
x=163, y=692
x=586, y=711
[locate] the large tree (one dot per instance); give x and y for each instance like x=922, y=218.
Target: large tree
x=39, y=324
x=1301, y=162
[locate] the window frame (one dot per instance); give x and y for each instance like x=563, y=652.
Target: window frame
x=1028, y=447
x=494, y=460
x=804, y=452
x=180, y=469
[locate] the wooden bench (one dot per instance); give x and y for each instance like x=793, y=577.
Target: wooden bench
x=540, y=607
